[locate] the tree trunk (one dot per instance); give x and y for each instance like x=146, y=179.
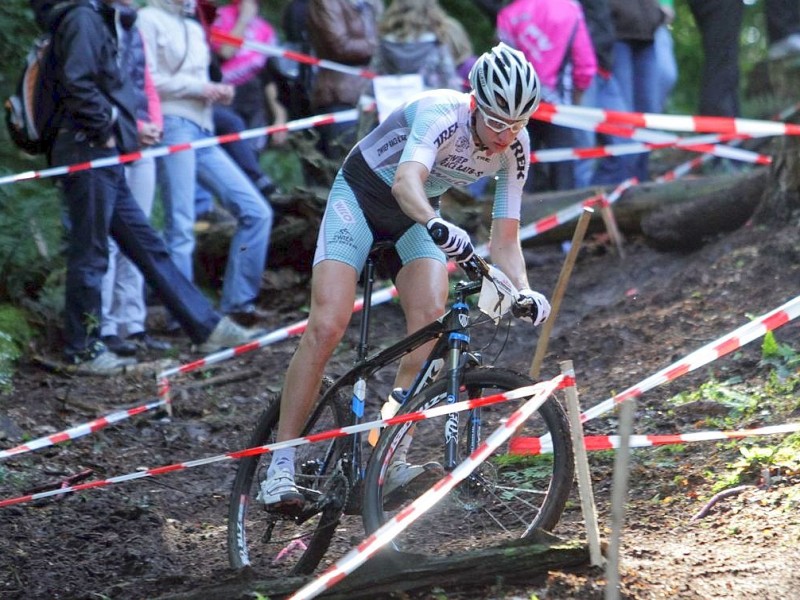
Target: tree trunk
x=781, y=197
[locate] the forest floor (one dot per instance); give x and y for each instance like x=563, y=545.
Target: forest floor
x=621, y=321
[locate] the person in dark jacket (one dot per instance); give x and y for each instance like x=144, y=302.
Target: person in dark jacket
x=98, y=121
x=720, y=24
x=604, y=92
x=343, y=31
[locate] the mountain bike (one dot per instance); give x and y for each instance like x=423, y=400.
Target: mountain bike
x=507, y=497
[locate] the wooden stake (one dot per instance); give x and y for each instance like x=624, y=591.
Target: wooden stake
x=582, y=469
x=619, y=494
x=611, y=226
x=558, y=293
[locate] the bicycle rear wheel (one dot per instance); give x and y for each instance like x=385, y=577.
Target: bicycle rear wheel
x=282, y=545
x=507, y=497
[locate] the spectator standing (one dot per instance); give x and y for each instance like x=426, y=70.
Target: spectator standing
x=346, y=32
x=99, y=122
x=293, y=80
x=783, y=27
x=124, y=310
x=244, y=68
x=412, y=39
x=635, y=70
x=179, y=57
x=553, y=36
x=604, y=91
x=720, y=25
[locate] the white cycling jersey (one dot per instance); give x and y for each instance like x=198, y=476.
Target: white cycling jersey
x=434, y=129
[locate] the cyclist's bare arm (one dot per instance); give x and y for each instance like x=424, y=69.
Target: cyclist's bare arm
x=507, y=252
x=409, y=191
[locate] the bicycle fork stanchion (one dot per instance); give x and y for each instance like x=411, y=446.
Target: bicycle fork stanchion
x=458, y=341
x=582, y=468
x=619, y=493
x=558, y=293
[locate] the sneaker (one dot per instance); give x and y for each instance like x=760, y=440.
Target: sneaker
x=144, y=341
x=278, y=490
x=404, y=481
x=227, y=334
x=104, y=363
x=119, y=346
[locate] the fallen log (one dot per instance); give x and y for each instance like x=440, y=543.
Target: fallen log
x=732, y=194
x=517, y=563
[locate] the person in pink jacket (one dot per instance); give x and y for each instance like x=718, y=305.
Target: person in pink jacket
x=553, y=36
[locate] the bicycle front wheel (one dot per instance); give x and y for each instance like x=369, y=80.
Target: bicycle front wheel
x=277, y=544
x=507, y=497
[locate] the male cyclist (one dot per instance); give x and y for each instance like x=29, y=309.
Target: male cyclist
x=388, y=189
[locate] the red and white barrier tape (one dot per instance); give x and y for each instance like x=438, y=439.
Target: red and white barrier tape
x=529, y=445
x=438, y=411
x=692, y=164
x=344, y=116
x=685, y=123
x=708, y=353
x=657, y=139
x=220, y=37
x=392, y=528
x=80, y=430
x=704, y=143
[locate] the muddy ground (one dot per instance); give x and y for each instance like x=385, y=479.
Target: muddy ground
x=621, y=321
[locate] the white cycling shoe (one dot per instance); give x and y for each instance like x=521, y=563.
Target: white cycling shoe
x=278, y=490
x=405, y=481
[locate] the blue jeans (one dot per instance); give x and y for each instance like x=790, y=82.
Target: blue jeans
x=124, y=308
x=218, y=173
x=667, y=65
x=98, y=203
x=243, y=152
x=636, y=73
x=602, y=93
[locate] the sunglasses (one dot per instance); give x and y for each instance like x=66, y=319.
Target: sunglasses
x=498, y=125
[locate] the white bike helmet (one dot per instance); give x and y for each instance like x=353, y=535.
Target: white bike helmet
x=505, y=83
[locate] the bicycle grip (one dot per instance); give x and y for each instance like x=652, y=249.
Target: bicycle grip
x=438, y=233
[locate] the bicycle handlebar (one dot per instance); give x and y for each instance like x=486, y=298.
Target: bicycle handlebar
x=476, y=269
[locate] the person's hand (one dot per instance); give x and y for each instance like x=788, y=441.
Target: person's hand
x=453, y=240
x=531, y=306
x=220, y=93
x=149, y=134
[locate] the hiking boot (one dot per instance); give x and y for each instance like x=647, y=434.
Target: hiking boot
x=227, y=334
x=104, y=363
x=249, y=315
x=405, y=481
x=119, y=346
x=278, y=490
x=144, y=341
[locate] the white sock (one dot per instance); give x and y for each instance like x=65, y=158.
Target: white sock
x=283, y=458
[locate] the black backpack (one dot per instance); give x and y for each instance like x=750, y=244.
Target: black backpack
x=32, y=112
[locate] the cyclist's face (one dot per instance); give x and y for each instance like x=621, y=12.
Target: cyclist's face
x=496, y=133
